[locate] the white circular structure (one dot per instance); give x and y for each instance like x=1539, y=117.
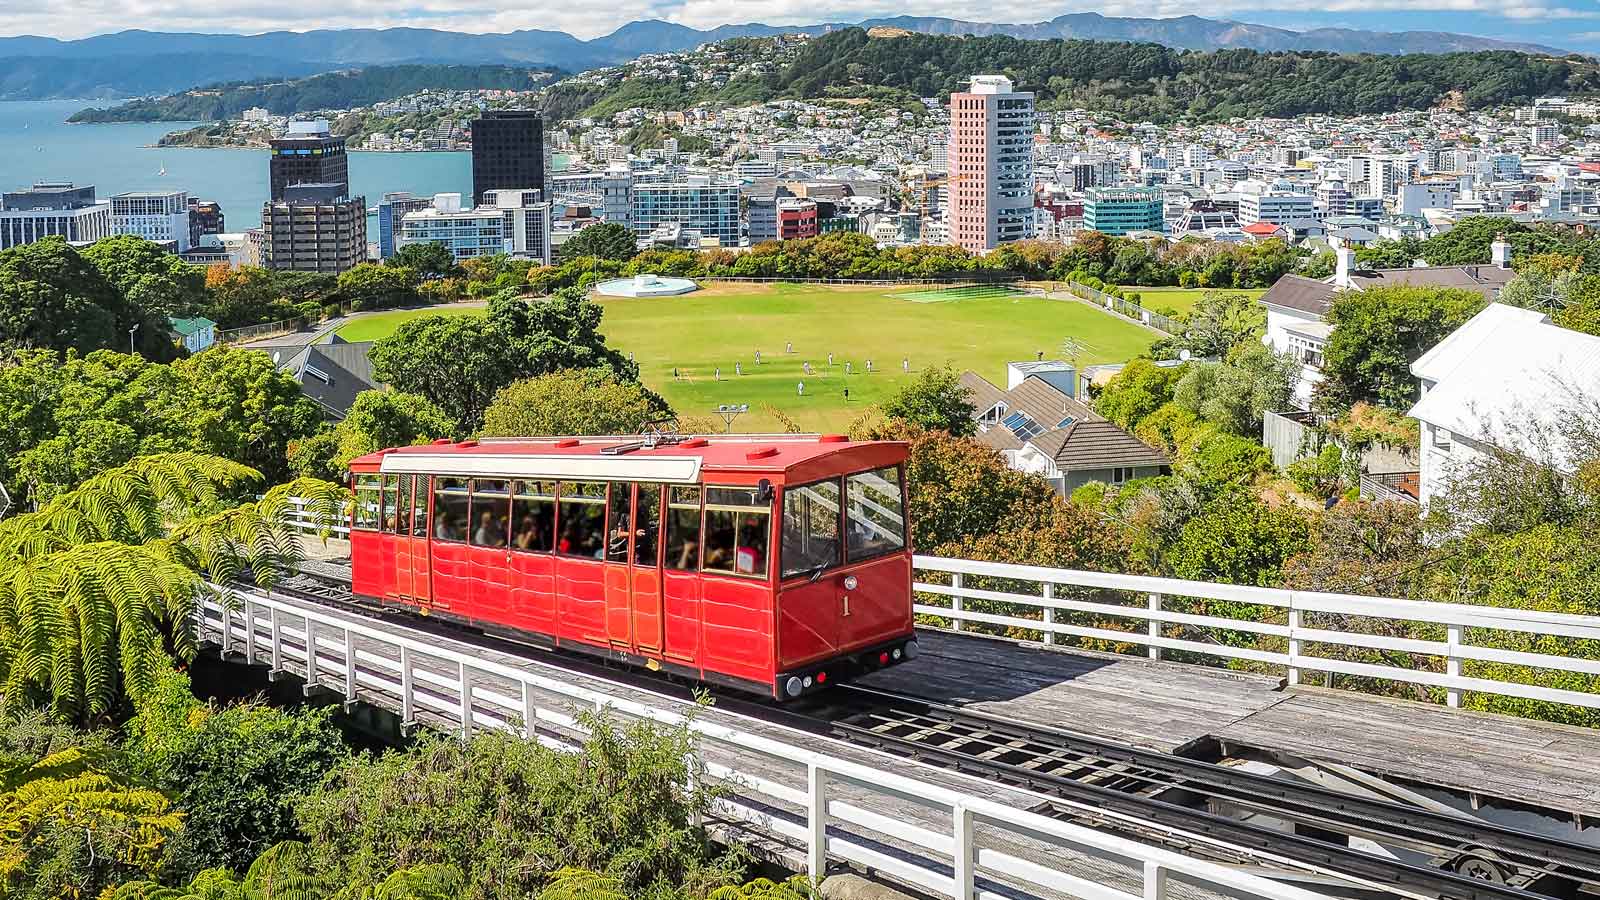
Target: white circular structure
x=646, y=286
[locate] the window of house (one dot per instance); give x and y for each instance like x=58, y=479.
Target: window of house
x=582, y=519
x=736, y=532
x=875, y=513
x=450, y=505
x=1122, y=474
x=683, y=527
x=810, y=528
x=533, y=516
x=367, y=511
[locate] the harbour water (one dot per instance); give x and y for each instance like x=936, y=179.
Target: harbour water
x=36, y=144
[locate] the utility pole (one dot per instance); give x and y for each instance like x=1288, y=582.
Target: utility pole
x=130, y=337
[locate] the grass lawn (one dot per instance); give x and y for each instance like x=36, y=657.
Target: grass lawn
x=1180, y=299
x=383, y=324
x=725, y=325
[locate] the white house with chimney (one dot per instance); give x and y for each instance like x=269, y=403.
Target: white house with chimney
x=1297, y=307
x=1506, y=379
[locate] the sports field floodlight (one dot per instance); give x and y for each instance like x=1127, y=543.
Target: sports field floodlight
x=731, y=411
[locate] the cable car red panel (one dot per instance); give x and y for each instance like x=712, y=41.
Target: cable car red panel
x=776, y=564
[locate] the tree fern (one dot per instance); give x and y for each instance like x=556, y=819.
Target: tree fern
x=582, y=884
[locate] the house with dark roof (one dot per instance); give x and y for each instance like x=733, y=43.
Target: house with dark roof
x=332, y=375
x=1040, y=428
x=1297, y=307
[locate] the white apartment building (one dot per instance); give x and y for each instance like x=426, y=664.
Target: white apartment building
x=1275, y=206
x=1417, y=196
x=158, y=216
x=616, y=194
x=50, y=209
x=513, y=222
x=991, y=164
x=701, y=203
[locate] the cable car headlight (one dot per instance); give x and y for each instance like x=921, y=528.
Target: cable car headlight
x=850, y=582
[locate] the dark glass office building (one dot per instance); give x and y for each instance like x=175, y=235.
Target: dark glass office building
x=507, y=151
x=308, y=154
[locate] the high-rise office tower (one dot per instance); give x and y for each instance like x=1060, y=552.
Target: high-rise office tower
x=507, y=151
x=991, y=164
x=308, y=154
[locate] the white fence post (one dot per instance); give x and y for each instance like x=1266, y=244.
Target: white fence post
x=965, y=870
x=1453, y=662
x=1154, y=629
x=311, y=657
x=528, y=713
x=349, y=666
x=1155, y=881
x=1294, y=643
x=1049, y=614
x=816, y=822
x=277, y=644
x=955, y=601
x=408, y=715
x=249, y=632
x=464, y=685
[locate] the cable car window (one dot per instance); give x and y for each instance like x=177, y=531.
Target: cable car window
x=683, y=527
x=533, y=516
x=419, y=507
x=736, y=532
x=583, y=519
x=450, y=509
x=367, y=514
x=646, y=536
x=389, y=497
x=876, y=513
x=621, y=522
x=810, y=528
x=491, y=512
x=401, y=514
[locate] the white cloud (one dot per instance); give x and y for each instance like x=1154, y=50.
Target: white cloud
x=77, y=18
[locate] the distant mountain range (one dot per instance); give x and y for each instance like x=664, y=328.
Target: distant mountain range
x=145, y=62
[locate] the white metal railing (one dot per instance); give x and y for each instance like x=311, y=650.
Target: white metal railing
x=381, y=662
x=1152, y=614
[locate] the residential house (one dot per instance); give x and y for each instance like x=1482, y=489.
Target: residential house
x=332, y=375
x=194, y=334
x=1297, y=307
x=1040, y=428
x=1505, y=380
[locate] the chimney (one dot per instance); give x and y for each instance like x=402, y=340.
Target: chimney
x=1344, y=263
x=1500, y=252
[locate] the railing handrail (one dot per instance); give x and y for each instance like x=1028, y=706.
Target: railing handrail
x=1455, y=618
x=319, y=628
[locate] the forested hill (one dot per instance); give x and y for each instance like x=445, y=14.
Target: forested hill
x=332, y=90
x=1137, y=81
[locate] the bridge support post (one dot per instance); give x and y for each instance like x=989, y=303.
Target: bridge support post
x=1294, y=646
x=955, y=602
x=1453, y=662
x=1154, y=629
x=816, y=823
x=277, y=644
x=1155, y=881
x=528, y=712
x=965, y=871
x=1049, y=614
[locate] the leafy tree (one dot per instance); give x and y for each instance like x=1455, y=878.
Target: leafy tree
x=375, y=286
x=1239, y=539
x=1219, y=462
x=461, y=362
x=1396, y=254
x=1235, y=395
x=606, y=241
x=237, y=772
x=153, y=282
x=428, y=261
x=574, y=401
x=237, y=404
x=376, y=420
x=1378, y=333
x=935, y=400
x=52, y=298
x=1141, y=388
x=1220, y=321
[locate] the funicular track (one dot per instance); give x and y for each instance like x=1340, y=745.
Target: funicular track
x=1177, y=800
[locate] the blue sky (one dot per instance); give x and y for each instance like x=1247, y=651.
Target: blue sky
x=1569, y=24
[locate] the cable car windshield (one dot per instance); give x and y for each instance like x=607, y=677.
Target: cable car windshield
x=876, y=513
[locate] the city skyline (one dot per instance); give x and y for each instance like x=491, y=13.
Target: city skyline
x=1567, y=24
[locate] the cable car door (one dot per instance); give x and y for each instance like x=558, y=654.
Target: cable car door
x=421, y=583
x=645, y=574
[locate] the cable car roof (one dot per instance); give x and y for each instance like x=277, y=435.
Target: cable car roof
x=680, y=460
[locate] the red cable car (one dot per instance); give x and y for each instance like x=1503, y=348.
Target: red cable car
x=772, y=564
